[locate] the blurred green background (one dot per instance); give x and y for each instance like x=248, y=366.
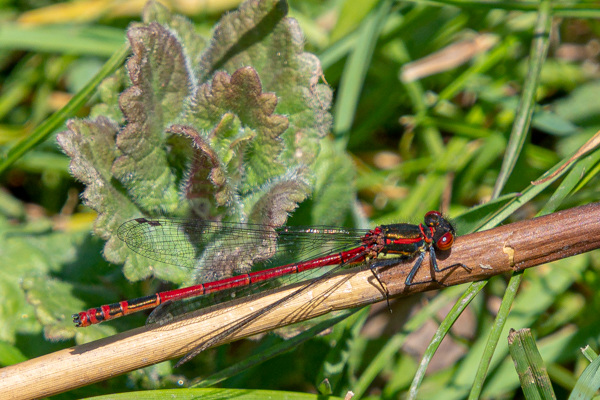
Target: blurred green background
x=426, y=104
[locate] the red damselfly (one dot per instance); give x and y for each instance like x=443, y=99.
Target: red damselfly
x=214, y=246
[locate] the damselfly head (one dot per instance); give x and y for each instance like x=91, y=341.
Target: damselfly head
x=444, y=232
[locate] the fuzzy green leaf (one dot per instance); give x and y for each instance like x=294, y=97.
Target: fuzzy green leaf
x=259, y=35
x=258, y=134
x=186, y=32
x=197, y=141
x=158, y=71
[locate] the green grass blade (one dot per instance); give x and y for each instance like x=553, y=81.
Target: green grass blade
x=393, y=345
x=441, y=333
x=494, y=336
x=589, y=353
x=588, y=383
x=530, y=367
x=539, y=50
x=356, y=68
x=215, y=394
x=43, y=131
x=581, y=170
x=64, y=39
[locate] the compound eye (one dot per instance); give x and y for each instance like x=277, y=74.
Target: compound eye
x=446, y=241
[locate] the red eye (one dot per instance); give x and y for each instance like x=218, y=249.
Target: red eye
x=446, y=241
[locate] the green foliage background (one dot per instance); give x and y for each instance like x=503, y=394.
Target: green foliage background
x=388, y=150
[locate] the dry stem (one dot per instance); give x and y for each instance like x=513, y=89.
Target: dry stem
x=507, y=248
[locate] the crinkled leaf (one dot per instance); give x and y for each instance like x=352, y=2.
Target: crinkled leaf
x=185, y=30
x=207, y=177
x=259, y=35
x=242, y=95
x=91, y=146
x=239, y=38
x=158, y=71
x=233, y=144
x=281, y=198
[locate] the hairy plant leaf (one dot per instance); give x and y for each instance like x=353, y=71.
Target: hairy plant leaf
x=161, y=82
x=258, y=135
x=224, y=131
x=185, y=30
x=259, y=35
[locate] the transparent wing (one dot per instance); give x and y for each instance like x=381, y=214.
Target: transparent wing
x=222, y=249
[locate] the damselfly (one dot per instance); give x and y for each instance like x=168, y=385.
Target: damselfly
x=213, y=247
